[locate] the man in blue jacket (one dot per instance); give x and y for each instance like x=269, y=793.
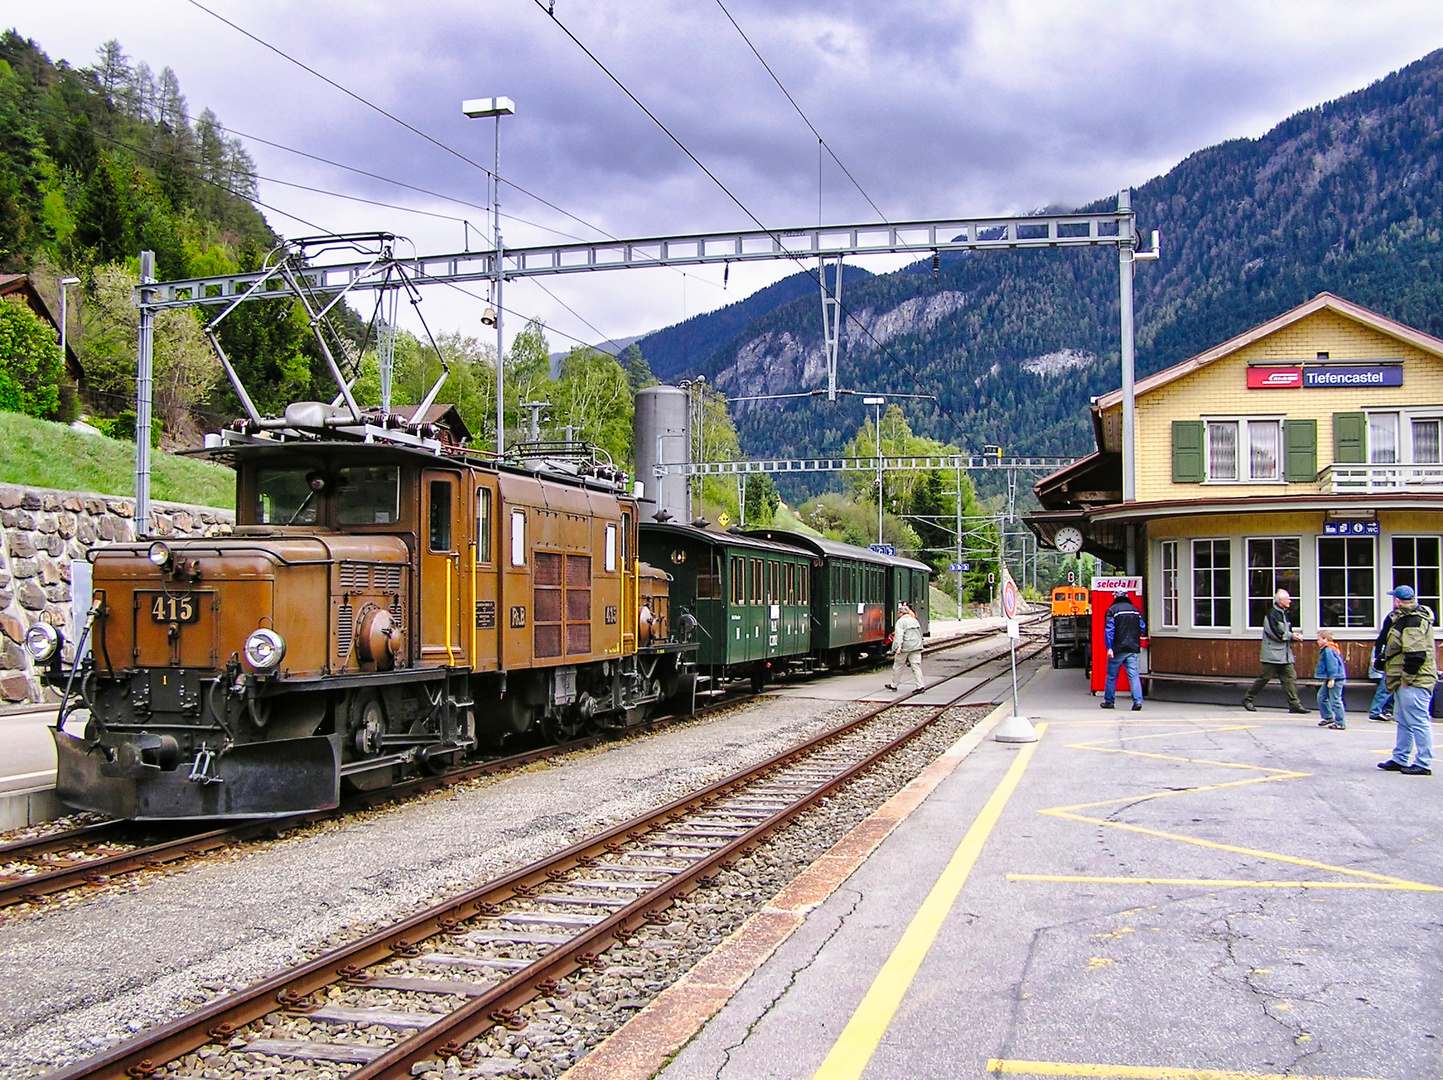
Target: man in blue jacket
x=1123, y=631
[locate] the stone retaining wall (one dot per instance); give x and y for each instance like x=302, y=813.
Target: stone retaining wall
x=41, y=530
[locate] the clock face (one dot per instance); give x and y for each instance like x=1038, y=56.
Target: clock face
x=1068, y=540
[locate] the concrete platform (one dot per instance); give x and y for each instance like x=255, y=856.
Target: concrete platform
x=27, y=767
x=1189, y=892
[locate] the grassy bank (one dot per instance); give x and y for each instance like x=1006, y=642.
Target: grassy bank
x=38, y=453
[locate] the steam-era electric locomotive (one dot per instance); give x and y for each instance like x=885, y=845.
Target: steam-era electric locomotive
x=387, y=603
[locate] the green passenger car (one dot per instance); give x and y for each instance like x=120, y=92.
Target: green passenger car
x=909, y=580
x=751, y=599
x=849, y=597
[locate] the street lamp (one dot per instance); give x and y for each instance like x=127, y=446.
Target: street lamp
x=480, y=108
x=64, y=322
x=878, y=402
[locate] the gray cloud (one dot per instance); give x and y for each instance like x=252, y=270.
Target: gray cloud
x=938, y=108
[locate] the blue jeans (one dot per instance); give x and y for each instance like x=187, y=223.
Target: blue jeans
x=1128, y=662
x=1330, y=703
x=1381, y=700
x=1415, y=726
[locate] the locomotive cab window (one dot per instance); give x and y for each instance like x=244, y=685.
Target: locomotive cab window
x=610, y=547
x=518, y=538
x=285, y=497
x=483, y=524
x=368, y=495
x=440, y=515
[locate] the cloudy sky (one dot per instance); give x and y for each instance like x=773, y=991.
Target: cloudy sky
x=940, y=108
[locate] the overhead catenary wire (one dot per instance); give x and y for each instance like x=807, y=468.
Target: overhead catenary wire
x=396, y=119
x=821, y=142
x=816, y=275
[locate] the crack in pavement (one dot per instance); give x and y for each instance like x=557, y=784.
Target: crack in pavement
x=792, y=976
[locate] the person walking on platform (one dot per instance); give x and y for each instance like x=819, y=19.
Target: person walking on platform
x=1277, y=655
x=1411, y=669
x=1123, y=632
x=1380, y=710
x=1333, y=672
x=906, y=646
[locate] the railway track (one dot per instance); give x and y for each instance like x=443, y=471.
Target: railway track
x=430, y=984
x=95, y=855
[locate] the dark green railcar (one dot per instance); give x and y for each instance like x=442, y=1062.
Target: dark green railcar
x=751, y=599
x=909, y=580
x=849, y=597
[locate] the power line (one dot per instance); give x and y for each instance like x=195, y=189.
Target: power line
x=815, y=274
x=396, y=119
x=820, y=141
x=400, y=183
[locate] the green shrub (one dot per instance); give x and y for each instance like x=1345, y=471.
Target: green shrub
x=31, y=365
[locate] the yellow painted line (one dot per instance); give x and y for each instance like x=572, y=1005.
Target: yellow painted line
x=1166, y=735
x=1130, y=800
x=1406, y=886
x=1137, y=1072
x=859, y=1039
x=1234, y=848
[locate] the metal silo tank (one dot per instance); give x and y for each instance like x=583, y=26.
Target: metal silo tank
x=663, y=437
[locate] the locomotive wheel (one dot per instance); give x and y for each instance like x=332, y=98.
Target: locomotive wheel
x=563, y=728
x=368, y=725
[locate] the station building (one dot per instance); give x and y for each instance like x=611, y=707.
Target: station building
x=1304, y=454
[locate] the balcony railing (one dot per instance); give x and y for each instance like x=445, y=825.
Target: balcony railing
x=1361, y=479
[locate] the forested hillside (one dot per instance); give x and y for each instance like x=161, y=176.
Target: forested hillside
x=1344, y=197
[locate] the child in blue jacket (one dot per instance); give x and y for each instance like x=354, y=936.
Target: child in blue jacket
x=1333, y=672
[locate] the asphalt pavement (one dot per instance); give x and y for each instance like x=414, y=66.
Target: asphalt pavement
x=1188, y=892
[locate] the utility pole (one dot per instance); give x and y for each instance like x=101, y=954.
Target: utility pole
x=143, y=367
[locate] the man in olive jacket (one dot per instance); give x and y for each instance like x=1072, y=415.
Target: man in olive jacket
x=1410, y=670
x=1277, y=656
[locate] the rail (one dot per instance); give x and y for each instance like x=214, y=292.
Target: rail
x=608, y=887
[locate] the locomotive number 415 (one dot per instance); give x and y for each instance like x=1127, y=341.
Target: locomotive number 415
x=174, y=609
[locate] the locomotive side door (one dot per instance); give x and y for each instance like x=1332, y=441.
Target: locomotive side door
x=445, y=577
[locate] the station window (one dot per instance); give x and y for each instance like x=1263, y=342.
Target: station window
x=1416, y=563
x=1243, y=450
x=1212, y=595
x=440, y=515
x=483, y=524
x=1272, y=565
x=1169, y=583
x=1347, y=587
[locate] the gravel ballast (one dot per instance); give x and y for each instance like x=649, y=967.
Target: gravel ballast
x=150, y=948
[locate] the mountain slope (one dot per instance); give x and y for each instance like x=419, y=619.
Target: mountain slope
x=1342, y=197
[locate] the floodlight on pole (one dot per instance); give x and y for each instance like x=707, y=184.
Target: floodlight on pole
x=480, y=109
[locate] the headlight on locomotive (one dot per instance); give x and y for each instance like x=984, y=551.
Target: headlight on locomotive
x=159, y=554
x=42, y=641
x=265, y=649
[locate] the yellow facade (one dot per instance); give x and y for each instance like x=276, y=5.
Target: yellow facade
x=1220, y=389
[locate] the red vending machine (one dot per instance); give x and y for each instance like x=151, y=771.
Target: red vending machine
x=1101, y=596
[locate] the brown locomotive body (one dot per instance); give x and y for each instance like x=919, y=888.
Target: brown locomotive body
x=380, y=608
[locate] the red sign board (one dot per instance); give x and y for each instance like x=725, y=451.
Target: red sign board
x=1275, y=378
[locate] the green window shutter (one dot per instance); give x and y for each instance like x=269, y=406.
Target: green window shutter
x=1301, y=439
x=1350, y=437
x=1187, y=452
